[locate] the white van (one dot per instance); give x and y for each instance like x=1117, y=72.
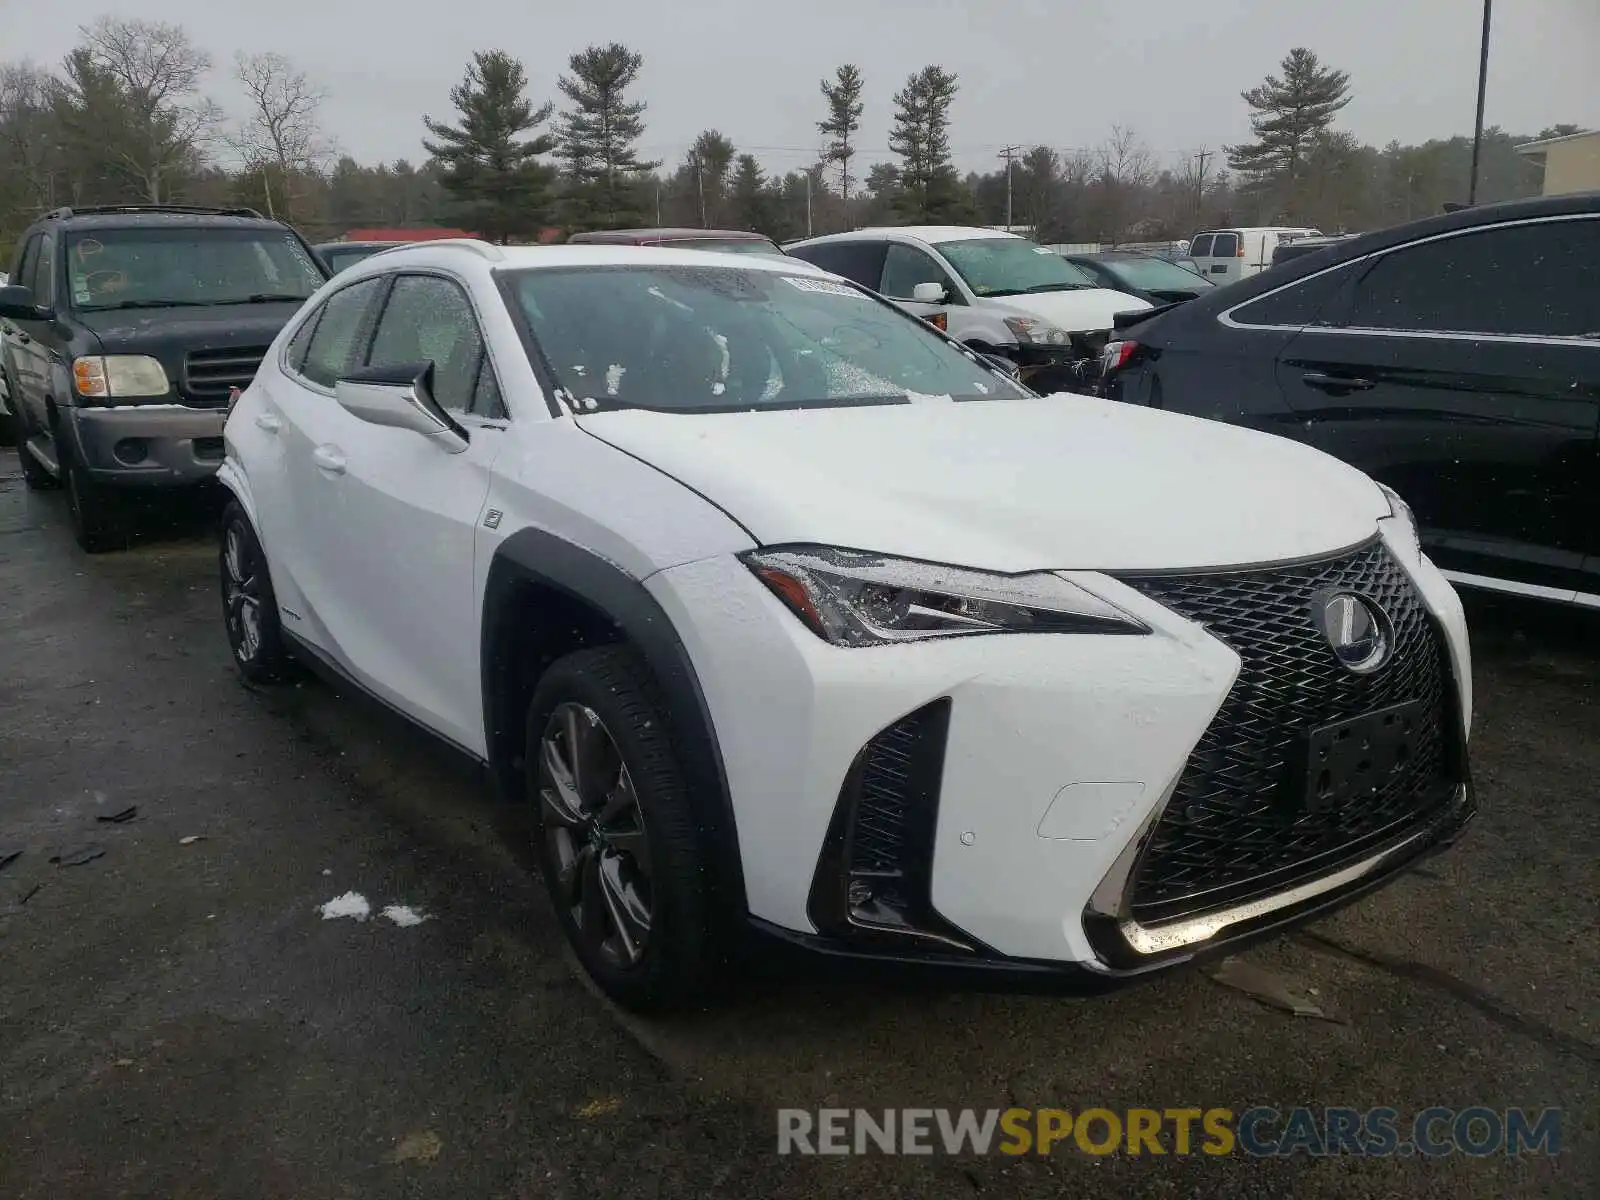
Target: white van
x=1223, y=255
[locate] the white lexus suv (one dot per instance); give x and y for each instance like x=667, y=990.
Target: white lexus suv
x=801, y=626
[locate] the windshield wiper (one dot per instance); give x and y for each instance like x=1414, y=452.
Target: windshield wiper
x=264, y=298
x=1058, y=287
x=141, y=304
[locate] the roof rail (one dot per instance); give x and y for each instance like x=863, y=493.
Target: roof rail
x=479, y=247
x=190, y=209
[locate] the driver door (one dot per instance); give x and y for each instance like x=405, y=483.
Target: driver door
x=399, y=515
x=906, y=266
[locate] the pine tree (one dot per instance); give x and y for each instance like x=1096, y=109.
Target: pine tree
x=598, y=137
x=1289, y=116
x=844, y=121
x=930, y=190
x=750, y=200
x=709, y=160
x=492, y=174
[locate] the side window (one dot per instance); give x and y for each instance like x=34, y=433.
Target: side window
x=486, y=400
x=859, y=261
x=1529, y=280
x=428, y=319
x=1304, y=303
x=43, y=282
x=26, y=262
x=301, y=342
x=1225, y=245
x=1201, y=246
x=905, y=266
x=333, y=348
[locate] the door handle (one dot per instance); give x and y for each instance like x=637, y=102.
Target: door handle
x=330, y=459
x=1336, y=383
x=268, y=422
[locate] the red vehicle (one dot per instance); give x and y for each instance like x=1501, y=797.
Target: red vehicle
x=726, y=241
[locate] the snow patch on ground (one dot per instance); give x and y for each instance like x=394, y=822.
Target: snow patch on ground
x=404, y=915
x=351, y=904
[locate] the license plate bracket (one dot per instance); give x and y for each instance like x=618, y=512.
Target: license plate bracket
x=1350, y=760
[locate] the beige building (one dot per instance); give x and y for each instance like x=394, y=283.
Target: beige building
x=1571, y=163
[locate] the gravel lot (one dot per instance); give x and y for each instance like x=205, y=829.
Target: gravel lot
x=176, y=1020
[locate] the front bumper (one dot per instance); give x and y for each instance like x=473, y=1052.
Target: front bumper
x=163, y=445
x=1058, y=755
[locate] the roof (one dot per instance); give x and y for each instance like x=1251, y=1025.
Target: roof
x=641, y=236
x=348, y=244
x=1536, y=150
x=425, y=233
x=514, y=258
x=132, y=217
x=930, y=234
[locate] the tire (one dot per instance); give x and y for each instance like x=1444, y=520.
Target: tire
x=98, y=513
x=8, y=429
x=256, y=641
x=605, y=854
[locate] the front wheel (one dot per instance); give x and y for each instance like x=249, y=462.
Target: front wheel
x=249, y=607
x=98, y=513
x=617, y=840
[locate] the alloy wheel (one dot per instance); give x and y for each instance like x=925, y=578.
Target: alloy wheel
x=241, y=593
x=595, y=833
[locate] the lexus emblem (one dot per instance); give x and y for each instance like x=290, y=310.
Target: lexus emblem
x=1358, y=630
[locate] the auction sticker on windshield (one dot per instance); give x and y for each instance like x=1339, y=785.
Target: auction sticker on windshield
x=825, y=286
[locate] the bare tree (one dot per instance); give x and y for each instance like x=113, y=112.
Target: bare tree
x=1127, y=168
x=156, y=72
x=281, y=130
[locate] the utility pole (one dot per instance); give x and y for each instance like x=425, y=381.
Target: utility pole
x=1009, y=154
x=700, y=186
x=1483, y=83
x=808, y=202
x=1200, y=181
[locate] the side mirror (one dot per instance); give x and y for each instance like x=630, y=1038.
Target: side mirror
x=16, y=303
x=401, y=398
x=928, y=293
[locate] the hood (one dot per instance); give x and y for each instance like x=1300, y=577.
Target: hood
x=1059, y=482
x=134, y=330
x=1081, y=310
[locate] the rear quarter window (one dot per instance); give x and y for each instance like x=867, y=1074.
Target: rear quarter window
x=1305, y=302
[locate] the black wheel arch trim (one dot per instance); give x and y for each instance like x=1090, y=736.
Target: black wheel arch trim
x=534, y=556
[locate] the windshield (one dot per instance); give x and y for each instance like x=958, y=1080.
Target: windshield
x=726, y=246
x=158, y=268
x=1153, y=274
x=1008, y=266
x=715, y=339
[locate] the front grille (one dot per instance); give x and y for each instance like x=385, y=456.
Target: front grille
x=1234, y=828
x=208, y=374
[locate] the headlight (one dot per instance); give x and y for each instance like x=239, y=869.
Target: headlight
x=119, y=375
x=1029, y=329
x=1400, y=512
x=855, y=599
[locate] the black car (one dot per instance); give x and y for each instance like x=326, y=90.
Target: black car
x=341, y=255
x=1455, y=359
x=125, y=330
x=1147, y=276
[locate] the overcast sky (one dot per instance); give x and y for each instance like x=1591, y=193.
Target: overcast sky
x=1060, y=72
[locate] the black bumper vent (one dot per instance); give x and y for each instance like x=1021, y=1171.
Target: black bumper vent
x=874, y=876
x=209, y=374
x=1239, y=825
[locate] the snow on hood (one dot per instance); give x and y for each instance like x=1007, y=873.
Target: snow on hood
x=1056, y=482
x=1084, y=309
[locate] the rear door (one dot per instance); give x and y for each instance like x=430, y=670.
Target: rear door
x=1464, y=371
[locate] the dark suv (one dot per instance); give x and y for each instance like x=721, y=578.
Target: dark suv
x=1455, y=359
x=125, y=330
